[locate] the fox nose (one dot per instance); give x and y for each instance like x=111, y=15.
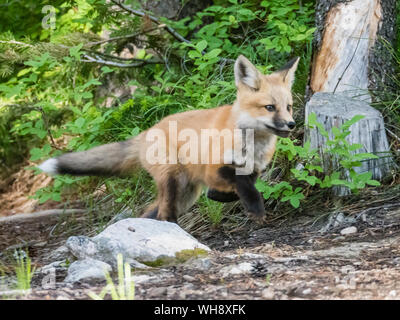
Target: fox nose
x=291, y=124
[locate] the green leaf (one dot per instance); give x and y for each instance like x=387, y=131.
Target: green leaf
x=201, y=45
x=212, y=54
x=106, y=69
x=373, y=183
x=194, y=54
x=75, y=51
x=80, y=122
x=23, y=72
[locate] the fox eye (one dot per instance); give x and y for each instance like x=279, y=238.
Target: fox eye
x=270, y=107
x=289, y=107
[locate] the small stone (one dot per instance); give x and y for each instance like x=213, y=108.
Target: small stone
x=87, y=269
x=393, y=293
x=307, y=291
x=200, y=264
x=348, y=231
x=268, y=294
x=188, y=278
x=347, y=269
x=158, y=292
x=226, y=243
x=242, y=268
x=338, y=239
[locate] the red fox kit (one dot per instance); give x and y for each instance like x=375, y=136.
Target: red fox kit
x=171, y=150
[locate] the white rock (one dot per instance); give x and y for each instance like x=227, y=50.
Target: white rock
x=306, y=291
x=392, y=293
x=268, y=294
x=241, y=268
x=348, y=230
x=87, y=269
x=150, y=241
x=200, y=264
x=186, y=277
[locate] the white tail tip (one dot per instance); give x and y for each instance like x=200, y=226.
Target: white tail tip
x=49, y=166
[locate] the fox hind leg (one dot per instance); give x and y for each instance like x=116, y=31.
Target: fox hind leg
x=176, y=194
x=151, y=211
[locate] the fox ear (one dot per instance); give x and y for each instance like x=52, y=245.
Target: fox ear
x=288, y=70
x=246, y=73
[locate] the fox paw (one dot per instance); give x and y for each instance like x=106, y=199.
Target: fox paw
x=257, y=217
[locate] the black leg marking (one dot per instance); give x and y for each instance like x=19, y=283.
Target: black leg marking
x=249, y=196
x=247, y=192
x=151, y=214
x=172, y=196
x=228, y=174
x=222, y=196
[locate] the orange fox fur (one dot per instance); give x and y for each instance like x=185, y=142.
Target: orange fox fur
x=263, y=104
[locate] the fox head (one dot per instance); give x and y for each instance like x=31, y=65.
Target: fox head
x=264, y=102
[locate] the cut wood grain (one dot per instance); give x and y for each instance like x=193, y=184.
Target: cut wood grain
x=350, y=49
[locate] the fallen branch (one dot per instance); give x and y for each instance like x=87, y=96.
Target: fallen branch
x=100, y=60
x=128, y=36
x=17, y=42
x=24, y=217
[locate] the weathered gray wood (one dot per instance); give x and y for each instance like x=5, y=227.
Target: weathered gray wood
x=335, y=109
x=46, y=214
x=349, y=55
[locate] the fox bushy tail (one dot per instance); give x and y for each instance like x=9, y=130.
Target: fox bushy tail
x=116, y=158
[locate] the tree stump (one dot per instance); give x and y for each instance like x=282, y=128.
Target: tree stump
x=349, y=55
x=335, y=109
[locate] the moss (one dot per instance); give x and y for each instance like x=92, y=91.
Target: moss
x=159, y=262
x=180, y=257
x=185, y=255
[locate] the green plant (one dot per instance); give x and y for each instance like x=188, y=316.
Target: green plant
x=124, y=290
x=340, y=161
x=23, y=270
x=213, y=210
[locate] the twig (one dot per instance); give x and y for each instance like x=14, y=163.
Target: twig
x=170, y=30
x=133, y=35
x=393, y=134
x=46, y=123
x=100, y=60
x=17, y=42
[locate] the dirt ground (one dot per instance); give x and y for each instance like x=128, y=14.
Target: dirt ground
x=306, y=257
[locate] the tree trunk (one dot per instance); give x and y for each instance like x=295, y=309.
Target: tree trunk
x=350, y=60
x=350, y=53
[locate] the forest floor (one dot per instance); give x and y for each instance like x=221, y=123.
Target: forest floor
x=302, y=257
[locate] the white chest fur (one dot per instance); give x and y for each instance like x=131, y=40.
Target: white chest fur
x=264, y=145
x=254, y=153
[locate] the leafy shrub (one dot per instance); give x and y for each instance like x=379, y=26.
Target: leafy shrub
x=309, y=169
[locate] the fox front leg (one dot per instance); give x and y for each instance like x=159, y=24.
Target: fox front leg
x=246, y=191
x=250, y=197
